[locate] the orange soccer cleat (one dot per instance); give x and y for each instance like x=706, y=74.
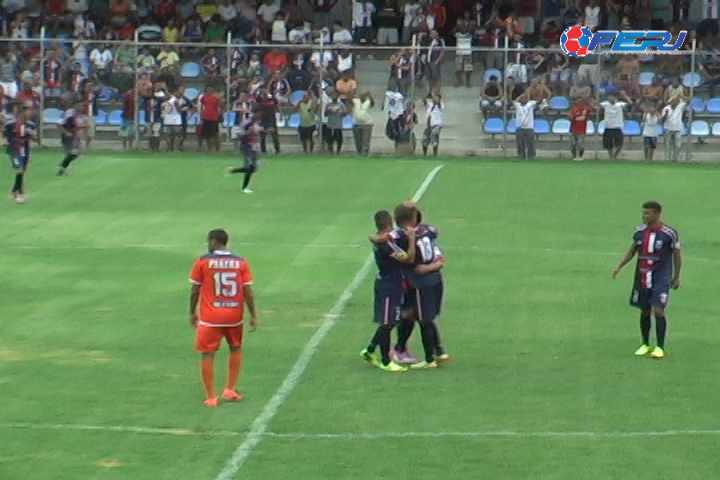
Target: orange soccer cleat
x=231, y=396
x=211, y=402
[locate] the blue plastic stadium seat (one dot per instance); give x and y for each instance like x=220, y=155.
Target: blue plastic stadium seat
x=296, y=96
x=190, y=70
x=51, y=115
x=631, y=128
x=716, y=129
x=281, y=121
x=193, y=120
x=601, y=127
x=713, y=105
x=347, y=122
x=115, y=118
x=559, y=103
x=101, y=118
x=646, y=78
x=511, y=126
x=697, y=104
x=693, y=80
x=494, y=126
x=590, y=130
x=294, y=121
x=192, y=93
x=561, y=126
x=105, y=94
x=542, y=126
x=492, y=72
x=699, y=128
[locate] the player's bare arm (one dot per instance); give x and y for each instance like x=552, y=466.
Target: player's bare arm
x=436, y=266
x=625, y=260
x=194, y=297
x=250, y=302
x=677, y=264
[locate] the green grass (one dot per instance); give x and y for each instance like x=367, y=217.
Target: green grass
x=94, y=329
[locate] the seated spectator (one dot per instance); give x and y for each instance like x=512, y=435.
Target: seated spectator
x=169, y=76
x=206, y=9
x=84, y=26
x=606, y=87
x=539, y=92
x=491, y=95
x=168, y=57
x=149, y=32
x=279, y=88
x=191, y=32
x=184, y=10
x=227, y=11
x=279, y=33
x=215, y=30
x=212, y=65
x=124, y=58
x=345, y=61
x=537, y=63
x=582, y=90
x=120, y=11
x=300, y=60
x=238, y=60
x=321, y=36
x=164, y=10
x=31, y=75
x=322, y=60
x=627, y=67
x=101, y=58
x=654, y=93
x=145, y=62
x=299, y=34
x=53, y=77
x=345, y=87
x=255, y=66
x=560, y=75
x=275, y=60
x=74, y=79
x=256, y=33
x=126, y=32
x=341, y=35
x=551, y=34
x=513, y=90
x=711, y=79
x=299, y=79
x=80, y=51
x=267, y=11
x=517, y=67
x=676, y=90
x=171, y=33
x=142, y=12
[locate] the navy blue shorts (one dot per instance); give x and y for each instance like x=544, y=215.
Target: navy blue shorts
x=20, y=162
x=650, y=142
x=387, y=307
x=251, y=157
x=646, y=298
x=426, y=302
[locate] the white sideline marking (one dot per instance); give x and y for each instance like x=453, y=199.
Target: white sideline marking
x=179, y=431
x=260, y=425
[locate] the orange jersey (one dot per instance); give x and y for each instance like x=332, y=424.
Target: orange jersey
x=221, y=276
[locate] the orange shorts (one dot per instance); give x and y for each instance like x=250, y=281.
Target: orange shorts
x=207, y=339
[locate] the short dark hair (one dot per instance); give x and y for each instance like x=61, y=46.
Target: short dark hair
x=419, y=216
x=219, y=235
x=405, y=214
x=383, y=219
x=652, y=205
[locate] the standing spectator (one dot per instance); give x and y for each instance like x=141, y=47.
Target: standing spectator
x=279, y=88
x=89, y=98
x=293, y=12
x=172, y=121
x=209, y=106
x=153, y=114
x=227, y=11
x=388, y=22
x=101, y=58
x=410, y=17
x=279, y=32
x=345, y=88
x=120, y=11
x=362, y=130
x=53, y=76
x=307, y=109
x=434, y=108
x=267, y=11
x=439, y=11
x=341, y=35
x=321, y=12
x=335, y=111
x=185, y=106
x=212, y=66
x=672, y=116
x=433, y=61
x=464, y=31
x=579, y=115
x=171, y=33
x=127, y=128
x=345, y=60
x=613, y=137
x=677, y=91
x=400, y=71
x=8, y=75
x=267, y=106
x=517, y=67
x=405, y=142
x=651, y=124
x=84, y=26
x=184, y=10
x=363, y=11
x=592, y=16
x=560, y=75
x=525, y=121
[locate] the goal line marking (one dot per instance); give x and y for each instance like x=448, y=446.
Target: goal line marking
x=260, y=425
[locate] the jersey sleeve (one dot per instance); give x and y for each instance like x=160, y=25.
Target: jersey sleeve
x=637, y=238
x=674, y=239
x=197, y=272
x=245, y=274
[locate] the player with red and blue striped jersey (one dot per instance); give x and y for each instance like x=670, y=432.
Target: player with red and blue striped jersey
x=18, y=134
x=659, y=262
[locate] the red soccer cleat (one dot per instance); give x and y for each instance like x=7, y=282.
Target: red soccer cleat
x=231, y=396
x=211, y=402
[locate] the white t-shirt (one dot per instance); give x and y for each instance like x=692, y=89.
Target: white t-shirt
x=464, y=43
x=172, y=112
x=434, y=114
x=409, y=11
x=279, y=31
x=227, y=12
x=344, y=63
x=592, y=17
x=651, y=121
x=614, y=114
x=673, y=122
x=362, y=14
x=709, y=9
x=326, y=58
x=525, y=114
x=342, y=36
x=101, y=58
x=268, y=12
x=394, y=104
x=298, y=35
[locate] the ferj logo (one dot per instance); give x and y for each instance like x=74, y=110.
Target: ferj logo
x=579, y=41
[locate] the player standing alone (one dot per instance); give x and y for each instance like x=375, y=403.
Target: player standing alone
x=70, y=127
x=658, y=270
x=250, y=137
x=579, y=115
x=221, y=288
x=18, y=134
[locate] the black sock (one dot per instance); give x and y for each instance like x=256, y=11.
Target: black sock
x=439, y=350
x=18, y=185
x=573, y=151
x=384, y=343
x=435, y=151
x=660, y=329
x=645, y=327
x=68, y=160
x=238, y=170
x=374, y=342
x=424, y=150
x=582, y=152
x=404, y=331
x=276, y=142
x=246, y=180
x=427, y=333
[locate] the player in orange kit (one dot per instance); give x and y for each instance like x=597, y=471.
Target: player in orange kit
x=221, y=286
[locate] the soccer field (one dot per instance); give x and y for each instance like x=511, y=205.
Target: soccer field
x=98, y=378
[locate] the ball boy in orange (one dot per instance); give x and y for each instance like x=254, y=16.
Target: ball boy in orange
x=221, y=287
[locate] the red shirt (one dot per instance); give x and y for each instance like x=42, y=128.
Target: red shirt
x=165, y=9
x=54, y=7
x=128, y=102
x=221, y=277
x=209, y=108
x=276, y=62
x=579, y=115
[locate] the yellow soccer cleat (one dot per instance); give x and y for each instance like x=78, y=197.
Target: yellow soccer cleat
x=424, y=365
x=658, y=353
x=369, y=357
x=642, y=351
x=393, y=367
